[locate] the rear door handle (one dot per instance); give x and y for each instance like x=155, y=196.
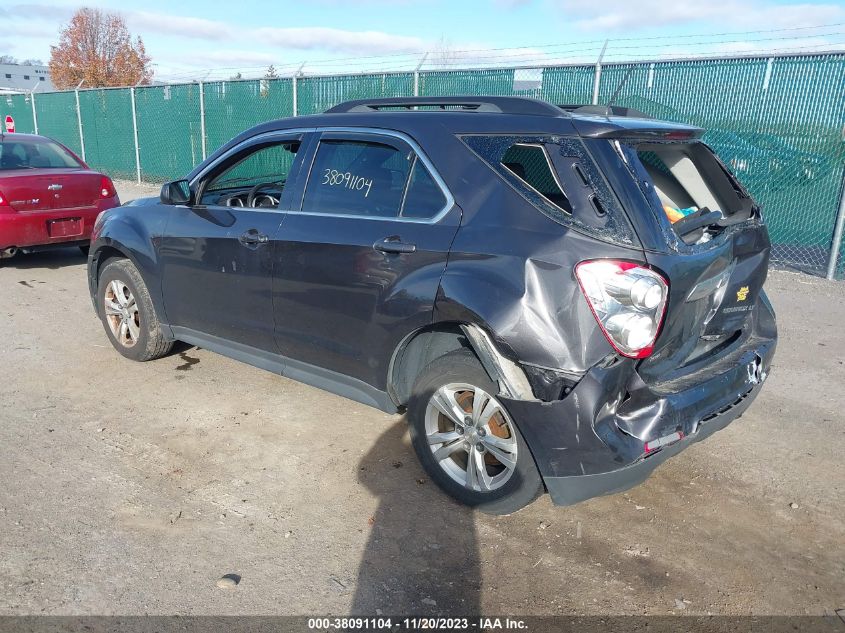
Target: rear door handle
x=394, y=245
x=253, y=238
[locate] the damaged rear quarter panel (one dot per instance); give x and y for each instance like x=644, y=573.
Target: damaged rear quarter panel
x=511, y=271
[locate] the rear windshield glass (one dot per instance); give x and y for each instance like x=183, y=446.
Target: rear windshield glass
x=558, y=177
x=34, y=155
x=689, y=188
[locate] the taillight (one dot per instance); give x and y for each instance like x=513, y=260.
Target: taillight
x=4, y=201
x=628, y=301
x=106, y=187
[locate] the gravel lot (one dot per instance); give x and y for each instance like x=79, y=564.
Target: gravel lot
x=132, y=488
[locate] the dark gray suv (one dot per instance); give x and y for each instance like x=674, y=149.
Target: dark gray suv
x=559, y=297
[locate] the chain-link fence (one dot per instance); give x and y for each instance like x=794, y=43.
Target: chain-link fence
x=778, y=122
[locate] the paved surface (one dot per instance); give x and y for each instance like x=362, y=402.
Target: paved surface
x=132, y=488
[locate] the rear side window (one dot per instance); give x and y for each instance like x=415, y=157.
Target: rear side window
x=357, y=178
x=35, y=155
x=558, y=176
x=531, y=164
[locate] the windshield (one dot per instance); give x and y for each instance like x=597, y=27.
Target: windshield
x=34, y=154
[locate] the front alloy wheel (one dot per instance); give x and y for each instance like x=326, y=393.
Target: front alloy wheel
x=122, y=313
x=127, y=313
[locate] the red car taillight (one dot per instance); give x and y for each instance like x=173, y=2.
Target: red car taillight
x=628, y=301
x=106, y=188
x=5, y=206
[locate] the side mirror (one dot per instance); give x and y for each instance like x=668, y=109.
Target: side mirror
x=176, y=192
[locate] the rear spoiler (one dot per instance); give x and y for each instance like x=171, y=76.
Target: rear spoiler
x=634, y=128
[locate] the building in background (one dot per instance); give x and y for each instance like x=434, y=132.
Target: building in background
x=25, y=78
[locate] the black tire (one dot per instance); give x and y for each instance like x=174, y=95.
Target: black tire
x=149, y=343
x=84, y=248
x=524, y=484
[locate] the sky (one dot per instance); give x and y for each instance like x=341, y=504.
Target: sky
x=196, y=39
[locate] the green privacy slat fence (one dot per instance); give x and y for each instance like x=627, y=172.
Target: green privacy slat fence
x=317, y=94
x=234, y=106
x=19, y=107
x=169, y=138
x=56, y=113
x=499, y=82
x=779, y=123
x=107, y=129
x=568, y=85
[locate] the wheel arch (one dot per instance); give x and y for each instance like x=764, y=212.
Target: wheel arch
x=107, y=249
x=423, y=346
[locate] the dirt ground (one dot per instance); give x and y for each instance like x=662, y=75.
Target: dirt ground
x=132, y=488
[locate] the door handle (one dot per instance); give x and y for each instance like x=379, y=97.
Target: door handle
x=394, y=245
x=253, y=238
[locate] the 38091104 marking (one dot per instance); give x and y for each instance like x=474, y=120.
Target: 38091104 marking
x=348, y=180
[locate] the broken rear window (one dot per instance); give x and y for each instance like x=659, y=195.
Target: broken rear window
x=689, y=187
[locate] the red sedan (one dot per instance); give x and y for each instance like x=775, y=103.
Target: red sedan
x=48, y=196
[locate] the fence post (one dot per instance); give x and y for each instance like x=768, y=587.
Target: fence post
x=295, y=90
x=417, y=75
x=202, y=118
x=135, y=135
x=837, y=232
x=79, y=120
x=597, y=79
x=34, y=115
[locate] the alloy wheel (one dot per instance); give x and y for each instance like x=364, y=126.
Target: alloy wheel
x=122, y=313
x=471, y=436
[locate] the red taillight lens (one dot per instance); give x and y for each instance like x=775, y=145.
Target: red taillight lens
x=4, y=202
x=106, y=188
x=628, y=301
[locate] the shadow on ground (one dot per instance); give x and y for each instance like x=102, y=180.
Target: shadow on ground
x=52, y=259
x=422, y=554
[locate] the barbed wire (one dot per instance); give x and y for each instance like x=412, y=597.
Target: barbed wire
x=557, y=53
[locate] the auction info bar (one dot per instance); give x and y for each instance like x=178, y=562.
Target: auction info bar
x=832, y=623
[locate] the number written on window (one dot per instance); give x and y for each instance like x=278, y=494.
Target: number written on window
x=347, y=179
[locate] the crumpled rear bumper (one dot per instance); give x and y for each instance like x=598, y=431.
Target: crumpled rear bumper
x=593, y=442
x=568, y=490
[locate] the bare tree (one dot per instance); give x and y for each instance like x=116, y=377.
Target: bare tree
x=444, y=54
x=97, y=47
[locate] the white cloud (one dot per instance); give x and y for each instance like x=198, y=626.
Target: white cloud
x=339, y=40
x=200, y=28
x=147, y=23
x=226, y=58
x=297, y=38
x=617, y=15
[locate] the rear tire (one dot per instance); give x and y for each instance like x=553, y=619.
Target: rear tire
x=84, y=248
x=127, y=313
x=476, y=453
